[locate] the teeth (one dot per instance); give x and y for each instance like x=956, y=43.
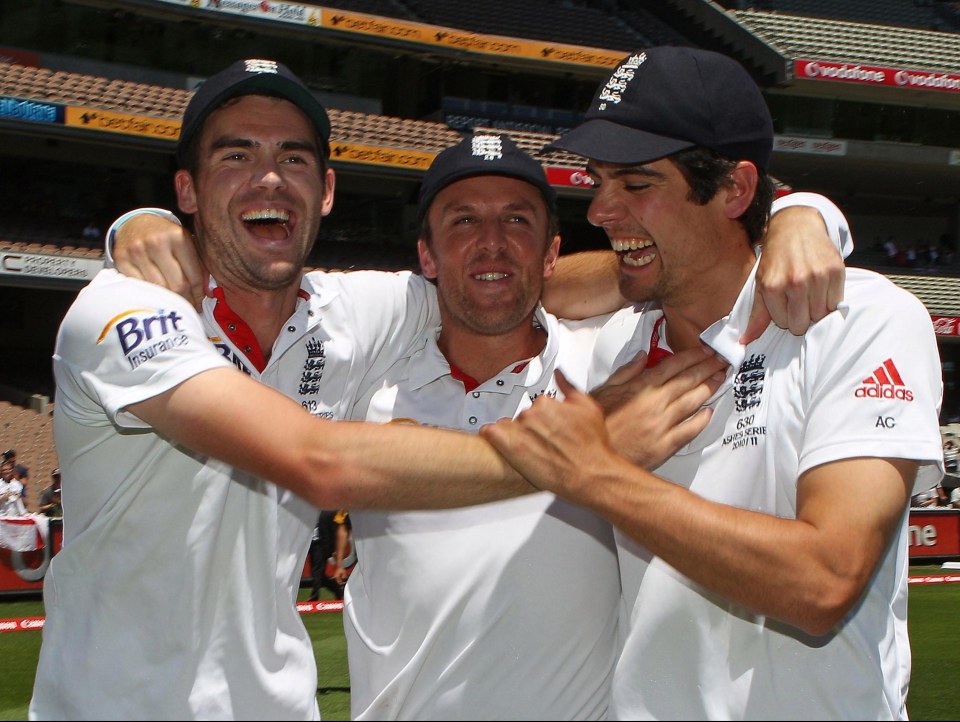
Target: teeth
x=646, y=260
x=629, y=245
x=490, y=276
x=268, y=214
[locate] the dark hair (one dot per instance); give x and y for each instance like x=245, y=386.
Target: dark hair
x=706, y=171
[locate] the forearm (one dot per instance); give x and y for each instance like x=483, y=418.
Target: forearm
x=333, y=464
x=807, y=572
x=397, y=466
x=584, y=284
x=746, y=557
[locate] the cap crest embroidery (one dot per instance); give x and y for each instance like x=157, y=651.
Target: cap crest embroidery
x=488, y=147
x=260, y=66
x=617, y=83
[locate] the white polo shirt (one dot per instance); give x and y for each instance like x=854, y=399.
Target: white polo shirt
x=174, y=594
x=864, y=381
x=505, y=610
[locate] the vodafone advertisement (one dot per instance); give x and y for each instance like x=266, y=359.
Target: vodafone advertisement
x=946, y=325
x=876, y=75
x=934, y=533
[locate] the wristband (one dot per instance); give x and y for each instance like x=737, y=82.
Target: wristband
x=112, y=230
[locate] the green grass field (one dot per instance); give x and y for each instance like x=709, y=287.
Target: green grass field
x=934, y=633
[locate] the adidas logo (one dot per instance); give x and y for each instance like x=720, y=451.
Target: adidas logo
x=884, y=383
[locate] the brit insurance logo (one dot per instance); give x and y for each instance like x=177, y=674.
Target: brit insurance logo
x=884, y=383
x=144, y=333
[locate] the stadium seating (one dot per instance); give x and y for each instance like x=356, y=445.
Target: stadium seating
x=811, y=37
x=31, y=433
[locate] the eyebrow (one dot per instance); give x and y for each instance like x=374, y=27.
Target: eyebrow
x=468, y=206
x=228, y=142
x=630, y=170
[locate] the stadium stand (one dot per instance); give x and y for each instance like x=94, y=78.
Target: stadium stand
x=843, y=41
x=922, y=14
x=30, y=432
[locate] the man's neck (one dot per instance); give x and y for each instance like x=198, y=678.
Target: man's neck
x=483, y=357
x=265, y=312
x=710, y=301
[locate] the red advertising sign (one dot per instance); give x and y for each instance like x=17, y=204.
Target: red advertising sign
x=934, y=533
x=876, y=75
x=570, y=177
x=24, y=571
x=946, y=325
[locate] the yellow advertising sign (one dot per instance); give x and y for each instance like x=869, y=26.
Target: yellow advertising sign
x=391, y=29
x=380, y=155
x=129, y=124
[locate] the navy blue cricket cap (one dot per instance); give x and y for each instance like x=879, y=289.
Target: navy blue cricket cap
x=483, y=154
x=665, y=99
x=251, y=77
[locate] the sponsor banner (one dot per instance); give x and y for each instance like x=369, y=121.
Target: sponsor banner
x=393, y=29
x=27, y=624
x=30, y=110
x=946, y=325
x=324, y=605
x=24, y=624
x=381, y=155
x=22, y=533
x=284, y=12
x=20, y=57
x=570, y=177
x=48, y=266
x=126, y=123
x=812, y=146
x=805, y=69
x=934, y=579
x=934, y=533
x=24, y=571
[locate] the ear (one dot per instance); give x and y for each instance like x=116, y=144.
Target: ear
x=329, y=183
x=742, y=189
x=553, y=253
x=427, y=263
x=186, y=191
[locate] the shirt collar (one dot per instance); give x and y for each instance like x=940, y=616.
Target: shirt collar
x=428, y=363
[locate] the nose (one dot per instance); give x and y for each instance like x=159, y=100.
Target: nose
x=603, y=208
x=492, y=236
x=268, y=175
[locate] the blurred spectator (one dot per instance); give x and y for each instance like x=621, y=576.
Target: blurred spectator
x=11, y=491
x=11, y=456
x=329, y=551
x=50, y=497
x=892, y=250
x=937, y=496
x=950, y=453
x=91, y=231
x=22, y=474
x=911, y=255
x=955, y=497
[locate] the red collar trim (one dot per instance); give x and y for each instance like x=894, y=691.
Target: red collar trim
x=237, y=330
x=470, y=383
x=656, y=354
